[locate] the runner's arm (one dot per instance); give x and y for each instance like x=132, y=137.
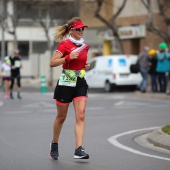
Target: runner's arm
x=57, y=60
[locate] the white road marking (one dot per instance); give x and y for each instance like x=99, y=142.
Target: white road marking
x=40, y=105
x=17, y=112
x=138, y=103
x=94, y=108
x=113, y=140
x=105, y=96
x=131, y=103
x=119, y=103
x=1, y=104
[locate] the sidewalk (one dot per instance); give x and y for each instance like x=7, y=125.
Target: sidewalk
x=34, y=85
x=159, y=139
x=153, y=95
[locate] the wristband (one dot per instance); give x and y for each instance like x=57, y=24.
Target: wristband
x=67, y=58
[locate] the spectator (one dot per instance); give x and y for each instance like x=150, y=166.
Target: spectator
x=162, y=66
x=152, y=70
x=143, y=61
x=15, y=73
x=168, y=73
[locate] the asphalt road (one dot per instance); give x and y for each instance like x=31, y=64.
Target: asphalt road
x=113, y=121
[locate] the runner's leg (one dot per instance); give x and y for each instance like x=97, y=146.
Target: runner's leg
x=79, y=105
x=60, y=118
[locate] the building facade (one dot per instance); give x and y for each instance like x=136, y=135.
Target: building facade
x=33, y=41
x=130, y=22
x=134, y=17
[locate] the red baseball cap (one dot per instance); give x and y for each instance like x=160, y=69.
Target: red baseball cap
x=78, y=24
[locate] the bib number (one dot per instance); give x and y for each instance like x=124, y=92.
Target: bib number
x=7, y=74
x=66, y=81
x=17, y=64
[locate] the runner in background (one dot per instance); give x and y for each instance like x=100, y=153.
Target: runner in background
x=6, y=75
x=15, y=73
x=71, y=53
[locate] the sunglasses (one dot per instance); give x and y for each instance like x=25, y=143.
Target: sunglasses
x=79, y=29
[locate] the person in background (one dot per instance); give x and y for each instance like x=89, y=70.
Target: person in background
x=71, y=53
x=6, y=75
x=168, y=84
x=152, y=70
x=162, y=66
x=168, y=73
x=15, y=73
x=143, y=61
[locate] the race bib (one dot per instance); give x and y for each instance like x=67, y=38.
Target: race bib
x=72, y=74
x=66, y=81
x=17, y=64
x=7, y=73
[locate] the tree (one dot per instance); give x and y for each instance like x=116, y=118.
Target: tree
x=12, y=16
x=45, y=12
x=111, y=22
x=46, y=24
x=164, y=8
x=54, y=11
x=2, y=18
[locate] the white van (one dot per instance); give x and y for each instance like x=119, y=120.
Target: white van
x=113, y=70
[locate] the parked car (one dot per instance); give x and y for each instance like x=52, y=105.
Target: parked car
x=113, y=70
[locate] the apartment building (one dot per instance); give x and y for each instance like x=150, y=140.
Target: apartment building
x=132, y=26
x=130, y=22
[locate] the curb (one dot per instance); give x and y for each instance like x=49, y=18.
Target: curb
x=159, y=138
x=153, y=95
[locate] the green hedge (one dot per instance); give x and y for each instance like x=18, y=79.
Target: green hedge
x=166, y=129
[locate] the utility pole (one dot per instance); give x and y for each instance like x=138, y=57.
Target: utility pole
x=2, y=31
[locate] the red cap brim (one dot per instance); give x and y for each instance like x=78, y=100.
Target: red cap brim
x=78, y=24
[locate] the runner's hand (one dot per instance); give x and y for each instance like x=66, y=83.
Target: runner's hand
x=87, y=66
x=74, y=56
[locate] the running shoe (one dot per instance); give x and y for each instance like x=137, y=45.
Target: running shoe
x=80, y=153
x=11, y=95
x=54, y=151
x=19, y=96
x=6, y=96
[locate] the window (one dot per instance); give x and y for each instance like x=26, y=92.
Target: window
x=23, y=47
x=43, y=10
x=40, y=47
x=5, y=52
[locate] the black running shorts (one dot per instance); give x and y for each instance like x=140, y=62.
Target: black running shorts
x=66, y=94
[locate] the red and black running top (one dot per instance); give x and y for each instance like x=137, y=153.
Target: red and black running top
x=65, y=48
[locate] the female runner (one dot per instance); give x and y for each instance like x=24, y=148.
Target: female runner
x=71, y=53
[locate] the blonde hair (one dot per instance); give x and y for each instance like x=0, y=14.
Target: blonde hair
x=62, y=31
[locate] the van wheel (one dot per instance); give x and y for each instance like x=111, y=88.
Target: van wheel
x=107, y=87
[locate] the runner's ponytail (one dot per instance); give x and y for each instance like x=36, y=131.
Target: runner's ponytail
x=61, y=32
